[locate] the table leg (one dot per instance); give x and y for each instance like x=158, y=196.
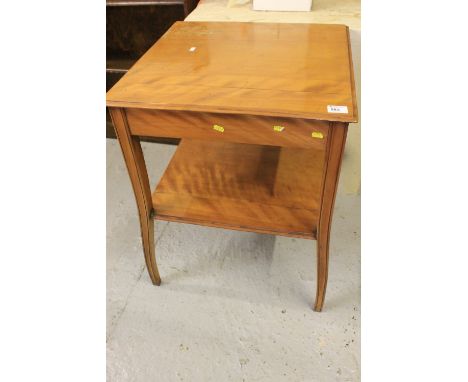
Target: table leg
x=136, y=167
x=331, y=172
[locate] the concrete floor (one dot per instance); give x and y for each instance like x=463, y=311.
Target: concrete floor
x=233, y=306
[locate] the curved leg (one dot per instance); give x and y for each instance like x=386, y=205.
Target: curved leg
x=147, y=235
x=322, y=273
x=136, y=167
x=334, y=151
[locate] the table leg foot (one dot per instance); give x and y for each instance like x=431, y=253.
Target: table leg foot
x=147, y=234
x=322, y=274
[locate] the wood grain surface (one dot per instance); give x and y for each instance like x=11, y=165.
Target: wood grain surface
x=246, y=187
x=288, y=70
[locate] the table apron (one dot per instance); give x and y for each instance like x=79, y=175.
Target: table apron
x=240, y=128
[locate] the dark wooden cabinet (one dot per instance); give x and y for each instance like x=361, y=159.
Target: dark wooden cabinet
x=132, y=27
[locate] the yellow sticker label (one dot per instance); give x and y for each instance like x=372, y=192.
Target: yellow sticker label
x=218, y=128
x=278, y=128
x=317, y=134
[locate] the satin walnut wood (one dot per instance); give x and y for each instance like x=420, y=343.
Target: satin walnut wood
x=262, y=111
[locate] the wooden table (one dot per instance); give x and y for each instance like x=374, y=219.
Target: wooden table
x=262, y=111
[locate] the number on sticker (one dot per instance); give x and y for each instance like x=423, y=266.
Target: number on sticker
x=337, y=109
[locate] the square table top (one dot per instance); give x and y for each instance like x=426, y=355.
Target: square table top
x=286, y=70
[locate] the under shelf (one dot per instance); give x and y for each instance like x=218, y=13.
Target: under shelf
x=263, y=189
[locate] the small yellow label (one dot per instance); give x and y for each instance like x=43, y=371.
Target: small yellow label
x=317, y=134
x=278, y=128
x=218, y=128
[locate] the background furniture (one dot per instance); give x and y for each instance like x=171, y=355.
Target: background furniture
x=262, y=110
x=132, y=27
